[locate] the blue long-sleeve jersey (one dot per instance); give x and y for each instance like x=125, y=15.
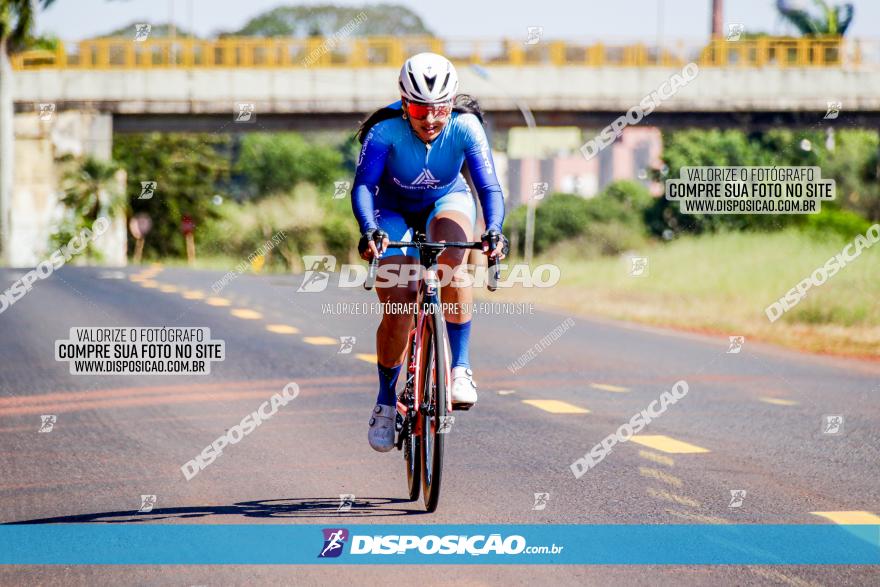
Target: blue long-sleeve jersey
x=397, y=170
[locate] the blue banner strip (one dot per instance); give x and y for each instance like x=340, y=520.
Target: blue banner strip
x=685, y=544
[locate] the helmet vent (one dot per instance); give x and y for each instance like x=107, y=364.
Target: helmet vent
x=445, y=81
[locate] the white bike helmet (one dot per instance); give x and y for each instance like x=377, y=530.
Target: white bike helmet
x=429, y=78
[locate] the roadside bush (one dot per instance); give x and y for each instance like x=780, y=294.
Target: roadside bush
x=833, y=223
x=611, y=222
x=310, y=225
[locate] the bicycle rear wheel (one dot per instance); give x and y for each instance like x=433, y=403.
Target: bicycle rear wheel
x=433, y=375
x=412, y=448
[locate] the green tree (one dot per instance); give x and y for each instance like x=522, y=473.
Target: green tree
x=853, y=165
x=326, y=19
x=91, y=190
x=187, y=169
x=833, y=19
x=697, y=148
x=276, y=162
x=157, y=31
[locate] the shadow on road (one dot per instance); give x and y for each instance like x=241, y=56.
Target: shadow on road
x=305, y=507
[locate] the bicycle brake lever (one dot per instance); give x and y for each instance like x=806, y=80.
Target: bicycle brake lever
x=371, y=274
x=494, y=272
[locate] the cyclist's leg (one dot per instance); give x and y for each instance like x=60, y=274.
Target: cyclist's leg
x=453, y=219
x=397, y=303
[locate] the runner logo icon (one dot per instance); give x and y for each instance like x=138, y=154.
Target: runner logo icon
x=334, y=541
x=317, y=272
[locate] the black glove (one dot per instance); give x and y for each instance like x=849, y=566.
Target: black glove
x=374, y=234
x=490, y=241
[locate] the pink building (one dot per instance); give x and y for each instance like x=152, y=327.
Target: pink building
x=631, y=156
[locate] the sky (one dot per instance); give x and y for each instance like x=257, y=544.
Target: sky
x=642, y=20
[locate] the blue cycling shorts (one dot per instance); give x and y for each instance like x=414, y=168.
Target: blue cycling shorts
x=401, y=224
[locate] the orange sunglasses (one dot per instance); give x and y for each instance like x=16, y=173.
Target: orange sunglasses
x=420, y=111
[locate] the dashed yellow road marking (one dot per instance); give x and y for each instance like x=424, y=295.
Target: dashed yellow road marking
x=667, y=444
x=246, y=314
x=219, y=302
x=150, y=284
x=555, y=406
x=702, y=519
x=660, y=476
x=774, y=576
x=608, y=387
x=282, y=329
x=853, y=517
x=167, y=288
x=778, y=401
x=320, y=340
x=367, y=357
x=193, y=295
x=659, y=459
x=679, y=499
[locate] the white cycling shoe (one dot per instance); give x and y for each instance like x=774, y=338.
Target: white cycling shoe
x=381, y=434
x=464, y=390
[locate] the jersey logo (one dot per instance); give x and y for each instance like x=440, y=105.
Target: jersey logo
x=426, y=179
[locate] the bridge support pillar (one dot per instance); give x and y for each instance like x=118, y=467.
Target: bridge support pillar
x=35, y=204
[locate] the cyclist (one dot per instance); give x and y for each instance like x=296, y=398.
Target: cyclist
x=409, y=178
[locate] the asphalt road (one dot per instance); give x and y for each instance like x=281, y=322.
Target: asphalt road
x=751, y=421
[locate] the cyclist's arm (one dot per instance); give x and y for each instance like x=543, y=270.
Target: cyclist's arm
x=478, y=155
x=371, y=164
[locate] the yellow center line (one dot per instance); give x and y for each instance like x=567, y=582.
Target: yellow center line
x=555, y=406
x=698, y=517
x=218, y=302
x=367, y=357
x=660, y=476
x=679, y=499
x=167, y=288
x=852, y=517
x=246, y=314
x=282, y=329
x=659, y=459
x=608, y=387
x=667, y=444
x=778, y=401
x=193, y=295
x=320, y=340
x=150, y=284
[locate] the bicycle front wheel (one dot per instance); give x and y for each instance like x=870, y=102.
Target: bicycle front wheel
x=412, y=446
x=434, y=367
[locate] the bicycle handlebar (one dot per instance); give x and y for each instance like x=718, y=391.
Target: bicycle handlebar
x=494, y=270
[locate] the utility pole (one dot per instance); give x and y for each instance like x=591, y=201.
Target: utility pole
x=717, y=18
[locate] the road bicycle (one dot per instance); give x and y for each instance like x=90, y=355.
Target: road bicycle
x=424, y=404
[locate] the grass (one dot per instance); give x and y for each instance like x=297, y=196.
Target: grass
x=722, y=283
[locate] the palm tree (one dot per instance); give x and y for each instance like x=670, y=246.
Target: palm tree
x=832, y=20
x=91, y=189
x=16, y=26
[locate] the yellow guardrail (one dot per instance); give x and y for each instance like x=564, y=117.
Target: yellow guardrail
x=250, y=52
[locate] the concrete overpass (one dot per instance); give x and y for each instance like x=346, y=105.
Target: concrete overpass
x=194, y=86
x=304, y=99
